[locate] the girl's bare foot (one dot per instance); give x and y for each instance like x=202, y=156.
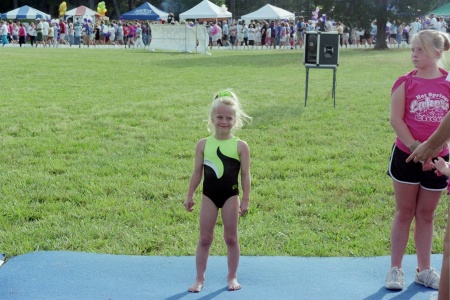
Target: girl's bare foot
x=233, y=285
x=196, y=287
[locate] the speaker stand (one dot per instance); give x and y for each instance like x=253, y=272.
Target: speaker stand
x=333, y=91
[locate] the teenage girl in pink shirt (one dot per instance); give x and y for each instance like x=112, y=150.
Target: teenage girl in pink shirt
x=419, y=102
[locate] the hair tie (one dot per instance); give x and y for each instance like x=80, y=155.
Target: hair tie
x=224, y=93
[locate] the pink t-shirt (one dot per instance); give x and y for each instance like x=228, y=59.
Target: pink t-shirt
x=426, y=104
x=214, y=30
x=22, y=31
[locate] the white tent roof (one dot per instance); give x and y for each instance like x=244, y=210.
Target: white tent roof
x=82, y=11
x=269, y=12
x=204, y=10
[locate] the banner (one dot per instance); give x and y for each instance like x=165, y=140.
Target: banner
x=179, y=37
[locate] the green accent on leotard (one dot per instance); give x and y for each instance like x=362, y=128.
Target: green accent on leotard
x=227, y=148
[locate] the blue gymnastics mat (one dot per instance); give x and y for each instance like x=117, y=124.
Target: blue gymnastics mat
x=75, y=275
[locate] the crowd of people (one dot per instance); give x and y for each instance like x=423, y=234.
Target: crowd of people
x=290, y=33
x=77, y=33
x=235, y=34
x=398, y=32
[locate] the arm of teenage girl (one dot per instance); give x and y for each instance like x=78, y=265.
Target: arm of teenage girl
x=244, y=155
x=398, y=124
x=197, y=175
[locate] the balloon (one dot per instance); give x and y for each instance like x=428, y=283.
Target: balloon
x=223, y=8
x=316, y=13
x=62, y=8
x=101, y=8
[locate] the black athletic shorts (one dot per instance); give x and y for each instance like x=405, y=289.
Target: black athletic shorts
x=411, y=173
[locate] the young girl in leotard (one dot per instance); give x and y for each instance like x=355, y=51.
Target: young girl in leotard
x=218, y=160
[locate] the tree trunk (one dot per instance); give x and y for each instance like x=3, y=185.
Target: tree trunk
x=232, y=7
x=117, y=9
x=380, y=14
x=381, y=36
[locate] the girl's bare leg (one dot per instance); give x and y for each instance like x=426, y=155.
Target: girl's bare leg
x=208, y=219
x=230, y=218
x=405, y=196
x=423, y=231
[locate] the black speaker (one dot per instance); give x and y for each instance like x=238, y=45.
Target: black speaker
x=321, y=49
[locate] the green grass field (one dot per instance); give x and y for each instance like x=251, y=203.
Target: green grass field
x=97, y=148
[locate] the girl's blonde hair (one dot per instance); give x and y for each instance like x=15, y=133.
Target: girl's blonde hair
x=431, y=41
x=228, y=97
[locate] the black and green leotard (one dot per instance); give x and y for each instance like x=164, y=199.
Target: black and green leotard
x=221, y=169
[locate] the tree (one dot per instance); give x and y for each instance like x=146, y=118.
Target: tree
x=381, y=18
x=360, y=13
x=404, y=11
x=356, y=13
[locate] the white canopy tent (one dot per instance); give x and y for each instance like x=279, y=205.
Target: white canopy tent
x=206, y=10
x=269, y=12
x=82, y=11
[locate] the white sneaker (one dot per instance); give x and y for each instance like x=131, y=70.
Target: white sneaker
x=429, y=278
x=395, y=279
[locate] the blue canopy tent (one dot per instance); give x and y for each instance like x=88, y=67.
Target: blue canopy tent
x=145, y=12
x=25, y=12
